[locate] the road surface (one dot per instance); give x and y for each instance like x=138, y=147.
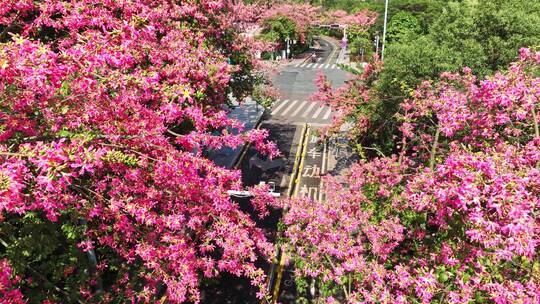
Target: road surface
x=286, y=121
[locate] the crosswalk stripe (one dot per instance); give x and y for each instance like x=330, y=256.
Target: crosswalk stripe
x=281, y=105
x=309, y=109
x=297, y=65
x=299, y=108
x=289, y=108
x=326, y=66
x=309, y=65
x=333, y=66
x=327, y=114
x=303, y=65
x=317, y=112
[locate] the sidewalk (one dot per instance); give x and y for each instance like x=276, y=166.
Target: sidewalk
x=250, y=114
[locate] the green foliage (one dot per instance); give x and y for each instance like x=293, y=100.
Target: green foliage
x=261, y=97
x=483, y=35
x=401, y=25
x=279, y=28
x=503, y=26
x=46, y=252
x=120, y=157
x=424, y=11
x=361, y=45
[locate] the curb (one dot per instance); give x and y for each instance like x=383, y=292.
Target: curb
x=245, y=148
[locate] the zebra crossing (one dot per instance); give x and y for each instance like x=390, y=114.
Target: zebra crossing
x=320, y=66
x=301, y=110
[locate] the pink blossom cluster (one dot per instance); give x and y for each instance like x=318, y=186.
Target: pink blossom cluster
x=106, y=108
x=361, y=20
x=303, y=15
x=348, y=99
x=453, y=218
x=9, y=294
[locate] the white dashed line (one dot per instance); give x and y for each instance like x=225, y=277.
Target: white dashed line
x=298, y=108
x=281, y=105
x=317, y=112
x=309, y=109
x=327, y=114
x=289, y=108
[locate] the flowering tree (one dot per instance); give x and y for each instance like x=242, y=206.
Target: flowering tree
x=105, y=110
x=453, y=218
x=287, y=20
x=352, y=103
x=362, y=19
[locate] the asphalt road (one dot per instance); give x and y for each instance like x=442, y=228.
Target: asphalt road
x=285, y=120
x=296, y=84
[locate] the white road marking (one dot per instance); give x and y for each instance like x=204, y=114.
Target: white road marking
x=327, y=114
x=281, y=105
x=309, y=65
x=323, y=165
x=333, y=66
x=311, y=124
x=309, y=109
x=327, y=65
x=335, y=48
x=283, y=181
x=317, y=112
x=299, y=108
x=323, y=170
x=289, y=108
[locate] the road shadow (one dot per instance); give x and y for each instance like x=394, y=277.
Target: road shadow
x=228, y=288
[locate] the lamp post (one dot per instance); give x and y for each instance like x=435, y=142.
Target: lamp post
x=376, y=43
x=384, y=28
x=288, y=51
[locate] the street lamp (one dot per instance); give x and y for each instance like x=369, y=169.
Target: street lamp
x=384, y=29
x=376, y=43
x=288, y=51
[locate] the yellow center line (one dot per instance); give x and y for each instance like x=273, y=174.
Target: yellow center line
x=335, y=47
x=293, y=184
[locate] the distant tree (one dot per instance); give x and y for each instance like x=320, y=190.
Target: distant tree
x=278, y=28
x=481, y=35
x=402, y=24
x=503, y=26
